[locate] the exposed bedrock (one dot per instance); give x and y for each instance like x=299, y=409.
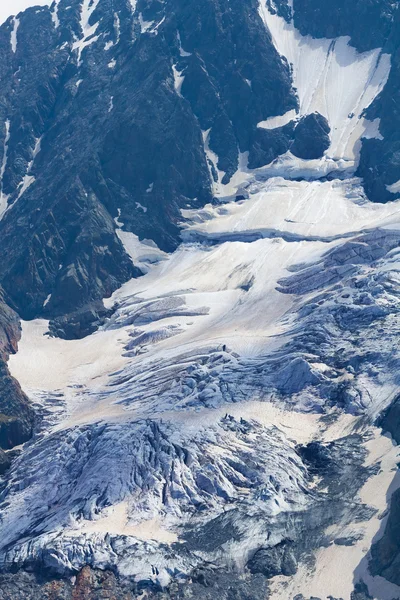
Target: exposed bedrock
x=311, y=137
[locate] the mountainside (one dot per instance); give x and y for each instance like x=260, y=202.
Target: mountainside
x=199, y=299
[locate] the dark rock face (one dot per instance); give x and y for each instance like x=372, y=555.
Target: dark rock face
x=367, y=22
x=390, y=420
x=380, y=158
x=385, y=554
x=16, y=415
x=278, y=560
x=361, y=592
x=311, y=137
x=88, y=133
x=268, y=144
x=79, y=324
x=317, y=456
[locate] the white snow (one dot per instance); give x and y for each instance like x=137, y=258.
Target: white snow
x=178, y=79
x=88, y=31
x=4, y=197
x=297, y=209
x=338, y=567
x=394, y=188
x=233, y=286
x=133, y=5
x=220, y=189
x=331, y=78
x=26, y=183
x=143, y=253
x=145, y=25
x=45, y=303
x=54, y=14
x=117, y=27
x=216, y=304
x=181, y=50
x=274, y=122
x=28, y=178
x=14, y=35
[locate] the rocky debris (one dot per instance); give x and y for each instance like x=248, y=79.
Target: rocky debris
x=92, y=584
x=5, y=462
x=278, y=560
x=80, y=323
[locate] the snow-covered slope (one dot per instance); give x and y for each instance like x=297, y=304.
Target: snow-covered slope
x=334, y=79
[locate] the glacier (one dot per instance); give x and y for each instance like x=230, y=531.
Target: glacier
x=225, y=412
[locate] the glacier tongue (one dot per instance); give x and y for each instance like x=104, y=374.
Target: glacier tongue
x=198, y=406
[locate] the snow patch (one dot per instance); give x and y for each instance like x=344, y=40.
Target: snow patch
x=294, y=210
x=54, y=15
x=281, y=121
x=14, y=35
x=181, y=50
x=145, y=25
x=143, y=253
x=45, y=303
x=178, y=79
x=4, y=197
x=141, y=207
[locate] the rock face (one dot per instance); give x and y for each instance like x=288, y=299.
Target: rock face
x=16, y=414
x=385, y=554
x=311, y=137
